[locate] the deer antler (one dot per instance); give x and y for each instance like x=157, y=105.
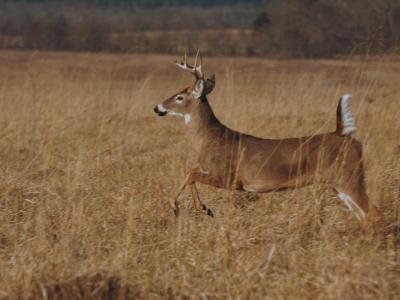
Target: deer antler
x=196, y=69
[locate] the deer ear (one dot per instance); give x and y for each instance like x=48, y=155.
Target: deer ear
x=198, y=89
x=209, y=85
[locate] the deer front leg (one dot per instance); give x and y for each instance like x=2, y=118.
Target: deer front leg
x=197, y=202
x=190, y=179
x=173, y=201
x=203, y=177
x=195, y=197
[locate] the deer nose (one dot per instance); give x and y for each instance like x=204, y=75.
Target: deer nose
x=161, y=113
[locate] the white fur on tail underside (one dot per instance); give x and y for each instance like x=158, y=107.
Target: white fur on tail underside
x=349, y=125
x=358, y=212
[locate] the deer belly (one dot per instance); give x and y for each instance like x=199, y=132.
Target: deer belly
x=273, y=180
x=262, y=187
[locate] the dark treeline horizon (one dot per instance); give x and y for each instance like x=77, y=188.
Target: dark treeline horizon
x=288, y=28
x=148, y=3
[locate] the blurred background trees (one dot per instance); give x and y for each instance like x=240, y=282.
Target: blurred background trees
x=329, y=27
x=291, y=28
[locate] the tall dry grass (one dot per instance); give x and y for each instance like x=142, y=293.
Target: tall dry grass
x=87, y=167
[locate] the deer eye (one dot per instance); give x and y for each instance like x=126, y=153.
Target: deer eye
x=179, y=98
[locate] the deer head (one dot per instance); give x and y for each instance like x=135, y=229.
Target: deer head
x=185, y=102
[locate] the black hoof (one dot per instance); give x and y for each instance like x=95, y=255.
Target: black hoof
x=210, y=213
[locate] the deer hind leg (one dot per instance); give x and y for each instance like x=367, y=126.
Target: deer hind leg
x=351, y=190
x=358, y=203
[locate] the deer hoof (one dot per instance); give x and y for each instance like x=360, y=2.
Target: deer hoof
x=210, y=213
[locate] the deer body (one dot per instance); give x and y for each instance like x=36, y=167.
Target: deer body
x=232, y=160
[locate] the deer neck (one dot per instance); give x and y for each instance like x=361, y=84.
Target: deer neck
x=204, y=125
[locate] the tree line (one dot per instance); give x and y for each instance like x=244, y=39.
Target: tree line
x=148, y=3
x=330, y=27
x=292, y=28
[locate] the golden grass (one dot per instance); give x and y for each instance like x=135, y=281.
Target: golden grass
x=87, y=167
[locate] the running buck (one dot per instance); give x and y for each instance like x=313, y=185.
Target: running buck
x=232, y=160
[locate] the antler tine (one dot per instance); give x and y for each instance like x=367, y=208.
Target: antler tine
x=196, y=69
x=195, y=61
x=200, y=63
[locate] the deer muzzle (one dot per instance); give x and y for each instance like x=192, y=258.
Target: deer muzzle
x=160, y=110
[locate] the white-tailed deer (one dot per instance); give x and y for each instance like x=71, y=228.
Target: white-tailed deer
x=233, y=160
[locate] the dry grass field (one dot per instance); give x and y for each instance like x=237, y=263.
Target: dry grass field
x=87, y=168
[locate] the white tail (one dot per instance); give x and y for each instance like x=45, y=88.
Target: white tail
x=347, y=124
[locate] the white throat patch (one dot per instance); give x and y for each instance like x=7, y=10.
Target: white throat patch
x=188, y=118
